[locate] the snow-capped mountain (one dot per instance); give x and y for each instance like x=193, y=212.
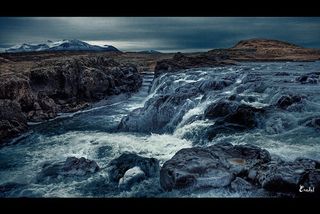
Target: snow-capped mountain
x=63, y=45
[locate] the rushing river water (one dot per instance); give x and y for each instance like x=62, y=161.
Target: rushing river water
x=93, y=133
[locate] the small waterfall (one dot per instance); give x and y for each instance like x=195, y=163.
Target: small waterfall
x=147, y=80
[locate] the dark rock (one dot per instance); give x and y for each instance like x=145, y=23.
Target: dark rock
x=120, y=165
x=214, y=166
x=12, y=120
x=288, y=176
x=311, y=78
x=7, y=188
x=243, y=168
x=220, y=109
x=244, y=115
x=315, y=123
x=287, y=100
x=79, y=166
x=231, y=117
x=72, y=167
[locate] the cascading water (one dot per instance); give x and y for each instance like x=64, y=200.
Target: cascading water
x=170, y=117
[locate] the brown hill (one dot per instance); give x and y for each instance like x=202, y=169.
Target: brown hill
x=267, y=50
x=263, y=43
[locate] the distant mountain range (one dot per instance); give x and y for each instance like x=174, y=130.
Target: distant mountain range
x=63, y=45
x=150, y=52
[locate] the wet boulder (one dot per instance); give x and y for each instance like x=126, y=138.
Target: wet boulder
x=287, y=100
x=119, y=167
x=315, y=123
x=131, y=176
x=244, y=115
x=241, y=168
x=310, y=78
x=231, y=117
x=289, y=176
x=220, y=109
x=71, y=167
x=7, y=188
x=215, y=166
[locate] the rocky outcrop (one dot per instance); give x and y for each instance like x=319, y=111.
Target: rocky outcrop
x=239, y=167
x=180, y=61
x=12, y=119
x=65, y=85
x=230, y=117
x=72, y=167
x=130, y=168
x=17, y=87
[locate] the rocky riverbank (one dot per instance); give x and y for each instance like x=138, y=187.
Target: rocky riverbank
x=41, y=89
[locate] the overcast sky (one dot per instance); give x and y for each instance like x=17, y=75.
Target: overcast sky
x=160, y=33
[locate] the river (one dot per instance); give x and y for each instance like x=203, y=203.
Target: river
x=93, y=133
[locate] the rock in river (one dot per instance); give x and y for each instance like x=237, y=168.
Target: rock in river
x=230, y=117
x=214, y=166
x=129, y=167
x=288, y=176
x=133, y=175
x=72, y=167
x=240, y=167
x=287, y=100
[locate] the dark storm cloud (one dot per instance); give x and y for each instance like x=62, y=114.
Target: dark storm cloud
x=161, y=33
